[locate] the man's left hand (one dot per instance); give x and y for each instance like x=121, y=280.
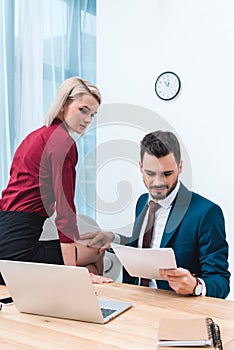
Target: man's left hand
x=180, y=280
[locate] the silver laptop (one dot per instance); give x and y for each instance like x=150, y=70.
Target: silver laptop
x=57, y=291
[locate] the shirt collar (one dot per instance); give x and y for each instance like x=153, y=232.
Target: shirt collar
x=74, y=135
x=166, y=202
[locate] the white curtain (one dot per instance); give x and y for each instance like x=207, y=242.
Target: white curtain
x=7, y=90
x=43, y=42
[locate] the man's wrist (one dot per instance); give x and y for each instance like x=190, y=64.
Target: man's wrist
x=200, y=287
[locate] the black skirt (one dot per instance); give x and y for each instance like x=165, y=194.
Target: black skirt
x=19, y=239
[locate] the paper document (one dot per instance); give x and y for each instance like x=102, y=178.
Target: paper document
x=145, y=262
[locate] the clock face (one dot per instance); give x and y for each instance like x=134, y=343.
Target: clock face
x=167, y=85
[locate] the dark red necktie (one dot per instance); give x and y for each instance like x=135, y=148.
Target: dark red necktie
x=153, y=207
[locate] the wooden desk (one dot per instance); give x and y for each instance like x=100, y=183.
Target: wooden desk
x=134, y=329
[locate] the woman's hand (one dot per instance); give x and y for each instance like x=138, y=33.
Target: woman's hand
x=99, y=279
x=98, y=239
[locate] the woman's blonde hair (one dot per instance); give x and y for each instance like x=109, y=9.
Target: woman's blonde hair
x=70, y=89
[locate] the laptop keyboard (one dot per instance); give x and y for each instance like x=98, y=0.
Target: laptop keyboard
x=107, y=312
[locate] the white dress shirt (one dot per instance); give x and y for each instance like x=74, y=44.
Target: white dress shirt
x=161, y=216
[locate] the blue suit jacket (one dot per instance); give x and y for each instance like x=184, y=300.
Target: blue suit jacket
x=195, y=230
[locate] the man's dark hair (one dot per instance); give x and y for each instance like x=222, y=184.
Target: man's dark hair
x=160, y=144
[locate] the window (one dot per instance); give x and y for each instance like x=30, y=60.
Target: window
x=51, y=41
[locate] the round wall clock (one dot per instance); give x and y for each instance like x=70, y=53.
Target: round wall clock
x=167, y=86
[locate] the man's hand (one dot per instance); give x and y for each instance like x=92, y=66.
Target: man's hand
x=180, y=280
x=99, y=279
x=98, y=239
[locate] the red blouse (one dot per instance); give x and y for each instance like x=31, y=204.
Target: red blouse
x=42, y=178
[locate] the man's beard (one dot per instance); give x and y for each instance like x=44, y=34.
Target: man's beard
x=165, y=191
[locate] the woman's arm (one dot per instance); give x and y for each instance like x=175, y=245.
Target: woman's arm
x=85, y=255
x=90, y=257
x=69, y=253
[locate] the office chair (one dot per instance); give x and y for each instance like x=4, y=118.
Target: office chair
x=112, y=266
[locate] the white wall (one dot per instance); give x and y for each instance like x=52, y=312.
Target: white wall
x=136, y=41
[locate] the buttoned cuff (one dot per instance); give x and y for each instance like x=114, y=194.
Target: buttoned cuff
x=203, y=286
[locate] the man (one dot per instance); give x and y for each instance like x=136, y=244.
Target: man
x=185, y=221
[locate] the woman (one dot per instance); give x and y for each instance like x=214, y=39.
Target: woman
x=42, y=180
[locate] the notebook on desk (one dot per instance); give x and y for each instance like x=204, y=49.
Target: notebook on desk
x=184, y=334
x=57, y=291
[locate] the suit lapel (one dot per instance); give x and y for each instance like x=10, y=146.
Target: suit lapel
x=138, y=223
x=177, y=213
